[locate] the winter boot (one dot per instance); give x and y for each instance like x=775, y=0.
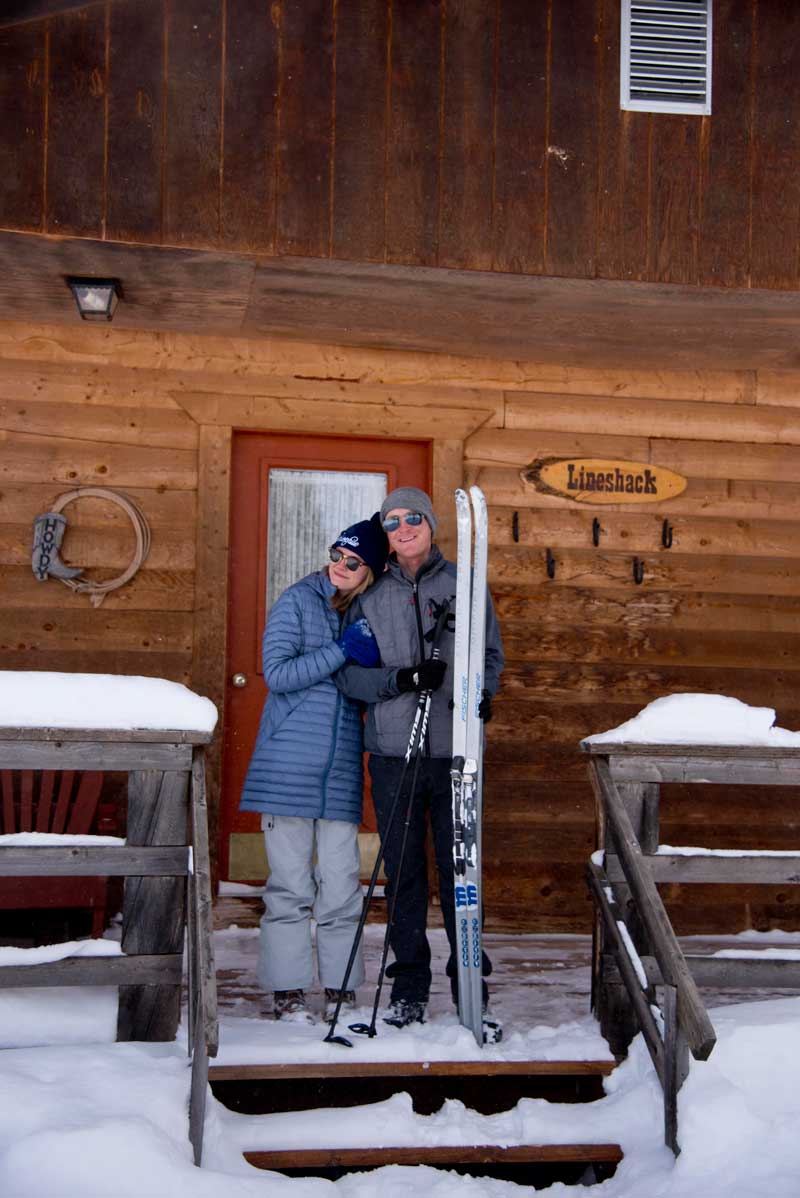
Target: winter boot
x=291, y=1007
x=404, y=1011
x=492, y=1027
x=332, y=999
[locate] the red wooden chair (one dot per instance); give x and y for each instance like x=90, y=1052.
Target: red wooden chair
x=33, y=802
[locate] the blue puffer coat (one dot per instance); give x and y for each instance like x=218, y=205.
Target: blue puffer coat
x=308, y=755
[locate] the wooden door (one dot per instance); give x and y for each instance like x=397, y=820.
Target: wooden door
x=258, y=461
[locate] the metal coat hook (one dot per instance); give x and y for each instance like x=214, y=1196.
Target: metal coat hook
x=515, y=527
x=596, y=532
x=638, y=571
x=551, y=565
x=666, y=534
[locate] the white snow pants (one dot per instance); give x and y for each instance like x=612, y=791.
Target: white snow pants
x=298, y=887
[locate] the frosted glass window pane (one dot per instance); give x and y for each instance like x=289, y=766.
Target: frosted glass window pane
x=307, y=511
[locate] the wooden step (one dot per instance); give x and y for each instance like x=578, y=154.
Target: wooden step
x=484, y=1086
x=456, y=1154
x=357, y=1068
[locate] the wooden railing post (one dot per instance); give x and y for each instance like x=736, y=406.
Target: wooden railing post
x=676, y=1066
x=154, y=909
x=204, y=1028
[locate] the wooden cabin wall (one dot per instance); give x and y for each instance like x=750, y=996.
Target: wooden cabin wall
x=472, y=134
x=718, y=612
x=152, y=414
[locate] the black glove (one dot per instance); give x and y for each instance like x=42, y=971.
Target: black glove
x=485, y=707
x=427, y=676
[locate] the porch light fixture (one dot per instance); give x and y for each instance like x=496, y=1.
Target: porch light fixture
x=96, y=298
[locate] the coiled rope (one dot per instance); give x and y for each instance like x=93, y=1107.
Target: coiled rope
x=97, y=591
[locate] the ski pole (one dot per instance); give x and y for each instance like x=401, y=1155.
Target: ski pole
x=369, y=1029
x=411, y=750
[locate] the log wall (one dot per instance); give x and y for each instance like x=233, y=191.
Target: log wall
x=472, y=134
x=152, y=415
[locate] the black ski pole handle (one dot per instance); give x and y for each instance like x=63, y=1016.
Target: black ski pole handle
x=438, y=630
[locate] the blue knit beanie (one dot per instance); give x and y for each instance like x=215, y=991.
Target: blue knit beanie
x=368, y=540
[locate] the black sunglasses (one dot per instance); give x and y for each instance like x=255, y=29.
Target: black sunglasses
x=352, y=563
x=392, y=523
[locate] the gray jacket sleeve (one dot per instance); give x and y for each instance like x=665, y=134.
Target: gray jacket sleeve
x=368, y=685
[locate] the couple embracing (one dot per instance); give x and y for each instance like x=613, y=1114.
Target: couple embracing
x=358, y=633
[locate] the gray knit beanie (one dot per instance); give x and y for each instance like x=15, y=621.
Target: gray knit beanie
x=413, y=499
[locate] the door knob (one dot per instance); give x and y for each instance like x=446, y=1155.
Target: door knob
x=239, y=680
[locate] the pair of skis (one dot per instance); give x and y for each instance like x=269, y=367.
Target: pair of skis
x=467, y=767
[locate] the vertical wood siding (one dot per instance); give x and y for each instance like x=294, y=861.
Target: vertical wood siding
x=775, y=180
x=474, y=134
x=358, y=217
x=193, y=47
x=135, y=122
x=250, y=126
x=77, y=84
x=23, y=81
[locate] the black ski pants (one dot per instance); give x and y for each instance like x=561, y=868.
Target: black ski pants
x=411, y=969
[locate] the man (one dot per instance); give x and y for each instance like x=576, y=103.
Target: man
x=402, y=609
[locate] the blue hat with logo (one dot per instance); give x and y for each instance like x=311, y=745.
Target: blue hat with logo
x=368, y=540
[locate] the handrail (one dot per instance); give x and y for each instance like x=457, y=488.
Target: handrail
x=692, y=1013
x=607, y=907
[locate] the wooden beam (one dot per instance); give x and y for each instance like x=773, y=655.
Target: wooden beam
x=641, y=532
x=660, y=417
x=89, y=861
x=341, y=415
x=321, y=1158
x=735, y=973
x=162, y=969
x=342, y=1068
x=209, y=659
x=202, y=914
x=66, y=755
x=109, y=736
x=667, y=868
x=707, y=768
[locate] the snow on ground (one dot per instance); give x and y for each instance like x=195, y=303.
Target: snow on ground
x=43, y=699
x=83, y=1117
x=700, y=720
x=88, y=1118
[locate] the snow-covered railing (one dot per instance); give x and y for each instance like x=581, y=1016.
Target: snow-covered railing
x=164, y=858
x=636, y=948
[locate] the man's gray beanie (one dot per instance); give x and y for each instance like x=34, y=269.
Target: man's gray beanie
x=413, y=499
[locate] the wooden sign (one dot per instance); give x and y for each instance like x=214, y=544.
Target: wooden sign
x=600, y=480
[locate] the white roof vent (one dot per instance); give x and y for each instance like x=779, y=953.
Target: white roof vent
x=666, y=56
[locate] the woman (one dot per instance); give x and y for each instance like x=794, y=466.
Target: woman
x=305, y=776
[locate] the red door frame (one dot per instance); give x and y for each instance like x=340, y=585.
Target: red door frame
x=405, y=463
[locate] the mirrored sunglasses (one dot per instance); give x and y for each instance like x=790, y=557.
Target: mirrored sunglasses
x=352, y=563
x=392, y=523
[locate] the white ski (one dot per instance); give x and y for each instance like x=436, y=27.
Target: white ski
x=468, y=672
